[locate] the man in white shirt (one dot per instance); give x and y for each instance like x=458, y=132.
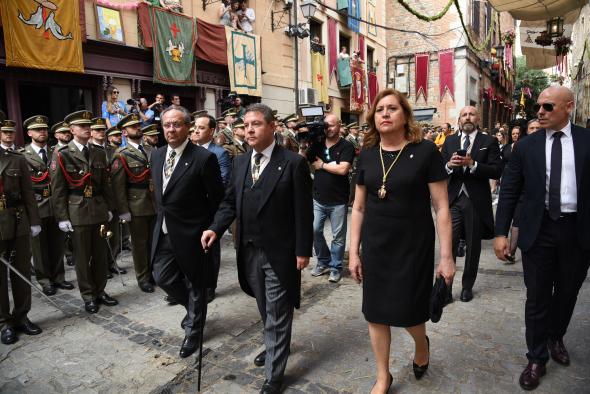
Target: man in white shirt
x=246, y=17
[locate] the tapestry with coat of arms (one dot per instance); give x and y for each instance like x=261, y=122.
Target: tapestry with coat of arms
x=358, y=95
x=243, y=62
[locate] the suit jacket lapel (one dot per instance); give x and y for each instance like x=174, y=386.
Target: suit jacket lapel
x=274, y=169
x=35, y=156
x=157, y=169
x=476, y=143
x=77, y=153
x=183, y=164
x=240, y=175
x=578, y=155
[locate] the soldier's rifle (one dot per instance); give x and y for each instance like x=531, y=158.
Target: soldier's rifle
x=106, y=235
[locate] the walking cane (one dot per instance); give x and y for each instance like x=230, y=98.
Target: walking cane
x=106, y=235
x=206, y=258
x=13, y=269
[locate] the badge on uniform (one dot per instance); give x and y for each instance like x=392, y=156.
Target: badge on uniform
x=46, y=192
x=88, y=191
x=116, y=165
x=53, y=165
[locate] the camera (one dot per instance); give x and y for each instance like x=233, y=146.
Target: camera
x=132, y=102
x=316, y=129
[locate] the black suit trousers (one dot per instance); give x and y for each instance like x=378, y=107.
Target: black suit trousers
x=555, y=268
x=467, y=225
x=175, y=283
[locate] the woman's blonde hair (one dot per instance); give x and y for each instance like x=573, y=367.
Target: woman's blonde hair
x=110, y=98
x=413, y=132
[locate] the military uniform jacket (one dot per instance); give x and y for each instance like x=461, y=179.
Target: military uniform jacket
x=18, y=209
x=80, y=189
x=132, y=182
x=39, y=173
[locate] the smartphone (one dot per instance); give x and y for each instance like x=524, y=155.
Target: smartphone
x=461, y=152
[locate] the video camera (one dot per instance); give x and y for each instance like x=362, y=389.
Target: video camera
x=316, y=129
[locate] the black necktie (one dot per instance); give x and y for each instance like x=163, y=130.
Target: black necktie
x=43, y=155
x=140, y=148
x=466, y=142
x=555, y=177
x=86, y=153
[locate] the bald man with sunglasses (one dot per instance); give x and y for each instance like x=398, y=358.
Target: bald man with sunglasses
x=551, y=169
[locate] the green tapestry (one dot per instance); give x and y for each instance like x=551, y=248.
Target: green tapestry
x=342, y=4
x=174, y=37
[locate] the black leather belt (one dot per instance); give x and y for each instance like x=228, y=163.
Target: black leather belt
x=78, y=192
x=138, y=185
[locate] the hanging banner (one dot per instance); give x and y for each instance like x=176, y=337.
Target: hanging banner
x=344, y=73
x=318, y=73
x=371, y=29
x=373, y=87
x=354, y=9
x=174, y=37
x=422, y=61
x=243, y=62
x=362, y=47
x=332, y=46
x=211, y=43
x=42, y=34
x=447, y=75
x=357, y=90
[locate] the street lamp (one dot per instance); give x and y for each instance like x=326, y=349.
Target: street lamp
x=499, y=51
x=555, y=27
x=308, y=8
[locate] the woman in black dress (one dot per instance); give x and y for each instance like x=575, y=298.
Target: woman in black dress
x=398, y=174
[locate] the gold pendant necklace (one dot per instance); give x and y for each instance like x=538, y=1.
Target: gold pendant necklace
x=382, y=192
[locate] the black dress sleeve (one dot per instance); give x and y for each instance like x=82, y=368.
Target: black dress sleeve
x=435, y=168
x=360, y=169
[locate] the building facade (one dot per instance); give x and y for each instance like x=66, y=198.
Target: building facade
x=580, y=71
x=450, y=74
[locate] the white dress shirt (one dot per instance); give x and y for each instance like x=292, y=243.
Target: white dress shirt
x=568, y=187
x=165, y=180
x=79, y=145
x=206, y=145
x=12, y=147
x=37, y=149
x=266, y=154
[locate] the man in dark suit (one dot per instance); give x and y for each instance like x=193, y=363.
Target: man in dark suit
x=270, y=196
x=473, y=158
x=188, y=190
x=203, y=136
x=551, y=169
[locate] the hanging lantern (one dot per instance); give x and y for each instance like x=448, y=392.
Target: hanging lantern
x=555, y=27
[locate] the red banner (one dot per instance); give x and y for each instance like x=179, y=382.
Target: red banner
x=332, y=47
x=211, y=43
x=447, y=75
x=357, y=89
x=422, y=61
x=373, y=87
x=362, y=46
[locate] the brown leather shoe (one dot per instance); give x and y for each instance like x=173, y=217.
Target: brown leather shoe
x=558, y=352
x=529, y=378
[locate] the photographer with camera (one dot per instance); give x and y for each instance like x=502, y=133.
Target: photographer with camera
x=331, y=160
x=141, y=108
x=157, y=106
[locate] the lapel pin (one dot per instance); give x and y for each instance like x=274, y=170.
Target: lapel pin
x=186, y=164
x=411, y=156
x=280, y=168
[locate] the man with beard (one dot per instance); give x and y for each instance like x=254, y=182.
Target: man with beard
x=114, y=137
x=472, y=158
x=48, y=246
x=134, y=196
x=150, y=136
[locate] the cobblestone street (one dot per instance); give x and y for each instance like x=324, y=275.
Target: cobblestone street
x=133, y=347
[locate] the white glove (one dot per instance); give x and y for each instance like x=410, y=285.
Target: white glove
x=110, y=216
x=65, y=226
x=125, y=217
x=35, y=230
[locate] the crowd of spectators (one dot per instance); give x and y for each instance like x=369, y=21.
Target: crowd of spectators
x=237, y=15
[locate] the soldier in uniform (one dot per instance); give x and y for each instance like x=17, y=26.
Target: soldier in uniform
x=237, y=145
x=48, y=246
x=134, y=196
x=150, y=136
x=353, y=135
x=19, y=219
x=289, y=135
x=81, y=200
x=114, y=137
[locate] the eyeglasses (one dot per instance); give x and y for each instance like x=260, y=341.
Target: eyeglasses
x=546, y=106
x=327, y=154
x=173, y=125
x=115, y=92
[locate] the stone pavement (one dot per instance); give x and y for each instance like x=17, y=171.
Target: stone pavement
x=478, y=347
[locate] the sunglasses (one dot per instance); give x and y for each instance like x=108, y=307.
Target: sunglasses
x=327, y=154
x=546, y=106
x=115, y=92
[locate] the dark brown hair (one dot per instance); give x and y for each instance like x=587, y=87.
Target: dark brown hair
x=413, y=132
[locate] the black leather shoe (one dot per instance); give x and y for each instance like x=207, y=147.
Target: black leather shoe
x=466, y=295
x=461, y=249
x=530, y=377
x=49, y=289
x=420, y=370
x=260, y=359
x=114, y=271
x=8, y=336
x=189, y=346
x=271, y=387
x=558, y=352
x=170, y=300
x=184, y=321
x=29, y=328
x=91, y=306
x=107, y=300
x=146, y=287
x=65, y=285
x=210, y=295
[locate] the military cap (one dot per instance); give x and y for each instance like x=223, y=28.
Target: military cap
x=200, y=113
x=60, y=127
x=36, y=122
x=114, y=131
x=290, y=118
x=99, y=124
x=365, y=126
x=79, y=118
x=8, y=126
x=353, y=125
x=150, y=130
x=238, y=123
x=220, y=119
x=229, y=112
x=129, y=120
x=2, y=116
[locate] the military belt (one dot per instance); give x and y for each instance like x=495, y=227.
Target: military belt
x=138, y=185
x=79, y=192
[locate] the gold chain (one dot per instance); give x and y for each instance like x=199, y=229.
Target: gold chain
x=382, y=192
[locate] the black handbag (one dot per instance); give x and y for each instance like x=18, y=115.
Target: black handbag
x=438, y=298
